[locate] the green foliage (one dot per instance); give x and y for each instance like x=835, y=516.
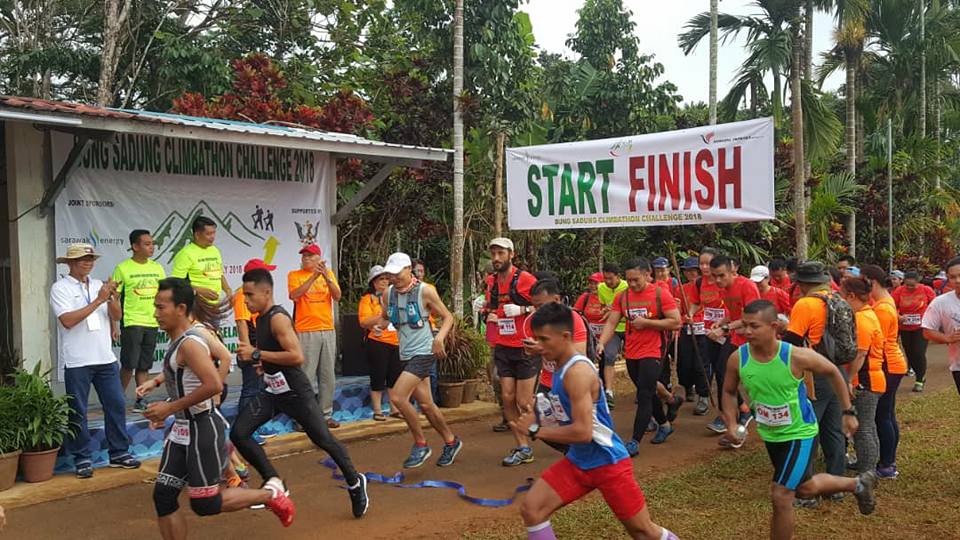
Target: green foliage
x=467, y=353
x=44, y=417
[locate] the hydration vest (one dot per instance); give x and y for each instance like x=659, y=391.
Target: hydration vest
x=414, y=317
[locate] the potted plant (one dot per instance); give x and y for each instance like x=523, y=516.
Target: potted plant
x=46, y=421
x=464, y=352
x=11, y=435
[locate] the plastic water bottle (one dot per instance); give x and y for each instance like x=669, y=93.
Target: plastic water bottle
x=545, y=411
x=741, y=432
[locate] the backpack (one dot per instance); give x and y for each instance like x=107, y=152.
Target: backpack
x=659, y=293
x=839, y=341
x=414, y=317
x=514, y=293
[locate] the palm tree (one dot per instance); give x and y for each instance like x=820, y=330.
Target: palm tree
x=713, y=61
x=796, y=110
x=456, y=251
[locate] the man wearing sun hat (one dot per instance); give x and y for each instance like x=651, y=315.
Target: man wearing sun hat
x=84, y=307
x=313, y=289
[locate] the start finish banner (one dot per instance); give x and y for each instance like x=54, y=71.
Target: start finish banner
x=714, y=174
x=267, y=204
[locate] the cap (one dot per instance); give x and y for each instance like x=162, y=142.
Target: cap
x=258, y=264
x=661, y=262
x=596, y=277
x=311, y=249
x=759, y=273
x=854, y=271
x=375, y=272
x=812, y=272
x=691, y=263
x=396, y=263
x=504, y=243
x=78, y=251
x=897, y=274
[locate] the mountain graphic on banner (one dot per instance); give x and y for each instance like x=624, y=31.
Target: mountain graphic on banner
x=175, y=231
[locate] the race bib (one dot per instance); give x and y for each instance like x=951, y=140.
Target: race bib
x=507, y=327
x=180, y=432
x=558, y=412
x=633, y=313
x=713, y=314
x=773, y=416
x=912, y=320
x=698, y=328
x=276, y=383
x=596, y=329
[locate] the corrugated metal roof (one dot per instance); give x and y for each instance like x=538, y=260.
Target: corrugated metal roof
x=215, y=124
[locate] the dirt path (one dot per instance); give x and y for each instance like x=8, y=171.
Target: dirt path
x=323, y=510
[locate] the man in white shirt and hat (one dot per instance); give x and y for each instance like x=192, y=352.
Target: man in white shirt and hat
x=84, y=306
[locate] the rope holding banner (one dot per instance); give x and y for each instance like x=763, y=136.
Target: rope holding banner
x=397, y=481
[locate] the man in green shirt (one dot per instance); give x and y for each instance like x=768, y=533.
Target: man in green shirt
x=200, y=261
x=771, y=372
x=606, y=291
x=136, y=280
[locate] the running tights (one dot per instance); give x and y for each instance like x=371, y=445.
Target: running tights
x=865, y=440
x=887, y=428
x=915, y=346
x=303, y=410
x=644, y=374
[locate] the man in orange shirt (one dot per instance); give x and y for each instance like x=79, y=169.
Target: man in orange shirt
x=313, y=290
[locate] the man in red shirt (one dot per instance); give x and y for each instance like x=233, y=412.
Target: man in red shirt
x=544, y=292
x=912, y=299
x=779, y=276
x=706, y=302
x=775, y=295
x=649, y=311
x=691, y=369
x=737, y=292
x=508, y=301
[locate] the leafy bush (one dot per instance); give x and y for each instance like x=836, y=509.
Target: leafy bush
x=45, y=418
x=12, y=433
x=467, y=353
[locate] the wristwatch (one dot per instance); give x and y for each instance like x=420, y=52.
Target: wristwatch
x=255, y=355
x=533, y=430
x=852, y=411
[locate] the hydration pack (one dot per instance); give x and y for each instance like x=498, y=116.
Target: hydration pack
x=414, y=318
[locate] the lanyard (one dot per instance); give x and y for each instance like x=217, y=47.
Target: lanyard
x=86, y=291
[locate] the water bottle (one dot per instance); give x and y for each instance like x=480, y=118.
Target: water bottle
x=545, y=411
x=741, y=432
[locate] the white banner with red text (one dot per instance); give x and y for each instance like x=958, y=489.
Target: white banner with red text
x=712, y=174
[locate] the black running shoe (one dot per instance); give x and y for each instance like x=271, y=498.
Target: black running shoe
x=358, y=497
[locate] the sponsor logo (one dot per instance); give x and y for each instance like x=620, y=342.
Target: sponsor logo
x=262, y=219
x=306, y=233
x=707, y=138
x=621, y=147
x=94, y=239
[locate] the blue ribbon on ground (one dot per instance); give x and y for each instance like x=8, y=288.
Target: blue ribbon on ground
x=397, y=481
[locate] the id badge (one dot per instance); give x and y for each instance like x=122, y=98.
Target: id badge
x=93, y=322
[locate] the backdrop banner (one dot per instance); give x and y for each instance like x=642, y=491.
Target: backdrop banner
x=713, y=174
x=267, y=204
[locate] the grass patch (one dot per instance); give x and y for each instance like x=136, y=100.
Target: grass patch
x=728, y=497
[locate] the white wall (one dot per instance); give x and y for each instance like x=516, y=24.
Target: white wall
x=32, y=243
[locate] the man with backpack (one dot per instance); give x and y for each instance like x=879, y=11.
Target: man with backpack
x=823, y=321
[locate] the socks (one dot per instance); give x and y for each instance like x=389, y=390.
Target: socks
x=542, y=531
x=667, y=535
x=421, y=444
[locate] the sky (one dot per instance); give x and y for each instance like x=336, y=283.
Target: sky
x=658, y=28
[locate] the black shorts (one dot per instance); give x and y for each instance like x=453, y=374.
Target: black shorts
x=792, y=461
x=137, y=345
x=383, y=360
x=421, y=366
x=200, y=463
x=512, y=362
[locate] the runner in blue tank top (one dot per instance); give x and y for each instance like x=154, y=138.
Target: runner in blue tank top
x=578, y=416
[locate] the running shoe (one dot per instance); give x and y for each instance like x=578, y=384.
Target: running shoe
x=139, y=406
x=259, y=439
x=84, y=471
x=918, y=386
x=744, y=419
x=418, y=456
x=280, y=503
x=662, y=434
x=703, y=407
x=449, y=453
x=633, y=448
x=610, y=400
x=502, y=427
x=730, y=441
x=805, y=503
x=358, y=497
x=866, y=501
x=518, y=456
x=837, y=497
x=673, y=408
x=717, y=426
x=652, y=426
x=887, y=473
x=124, y=462
x=911, y=373
x=691, y=396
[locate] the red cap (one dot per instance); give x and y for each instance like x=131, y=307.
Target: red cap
x=312, y=249
x=258, y=264
x=596, y=277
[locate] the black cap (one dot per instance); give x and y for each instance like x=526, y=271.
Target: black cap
x=812, y=272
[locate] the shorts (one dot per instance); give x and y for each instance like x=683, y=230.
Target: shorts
x=199, y=464
x=383, y=361
x=512, y=362
x=615, y=482
x=792, y=461
x=137, y=346
x=613, y=349
x=421, y=366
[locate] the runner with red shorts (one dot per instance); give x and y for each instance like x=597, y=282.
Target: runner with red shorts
x=578, y=416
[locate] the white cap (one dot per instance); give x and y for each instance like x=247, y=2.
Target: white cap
x=505, y=243
x=759, y=273
x=396, y=263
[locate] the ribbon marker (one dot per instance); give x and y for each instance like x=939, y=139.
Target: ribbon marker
x=397, y=481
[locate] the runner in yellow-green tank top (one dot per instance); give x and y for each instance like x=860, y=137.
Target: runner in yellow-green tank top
x=772, y=375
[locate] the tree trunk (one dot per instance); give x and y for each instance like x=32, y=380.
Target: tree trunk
x=777, y=102
x=851, y=142
x=808, y=68
x=713, y=61
x=796, y=109
x=861, y=126
x=456, y=249
x=115, y=18
x=923, y=70
x=498, y=188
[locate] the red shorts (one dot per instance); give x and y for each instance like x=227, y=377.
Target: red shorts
x=615, y=482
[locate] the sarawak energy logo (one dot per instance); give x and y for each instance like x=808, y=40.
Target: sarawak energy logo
x=94, y=239
x=708, y=137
